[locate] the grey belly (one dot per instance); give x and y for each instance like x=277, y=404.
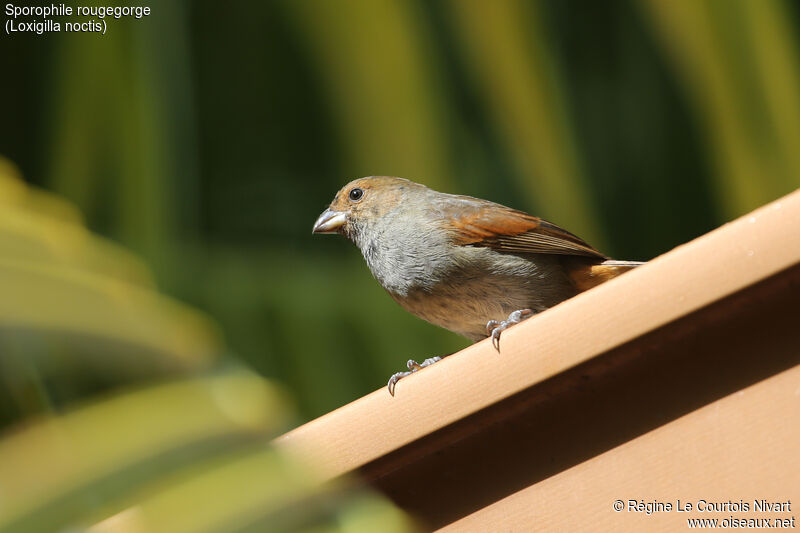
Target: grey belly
x=466, y=304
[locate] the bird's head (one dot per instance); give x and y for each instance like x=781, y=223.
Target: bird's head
x=362, y=202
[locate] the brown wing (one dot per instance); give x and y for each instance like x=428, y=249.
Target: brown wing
x=482, y=223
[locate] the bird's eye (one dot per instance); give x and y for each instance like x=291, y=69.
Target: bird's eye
x=356, y=194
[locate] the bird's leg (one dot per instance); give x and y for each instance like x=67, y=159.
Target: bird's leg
x=495, y=328
x=413, y=366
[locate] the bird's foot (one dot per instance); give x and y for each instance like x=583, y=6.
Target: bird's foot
x=413, y=366
x=495, y=328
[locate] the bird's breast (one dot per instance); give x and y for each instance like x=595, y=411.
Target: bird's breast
x=401, y=270
x=406, y=258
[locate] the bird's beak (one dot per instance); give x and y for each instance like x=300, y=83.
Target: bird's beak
x=329, y=221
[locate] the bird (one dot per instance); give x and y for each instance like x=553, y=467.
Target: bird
x=468, y=265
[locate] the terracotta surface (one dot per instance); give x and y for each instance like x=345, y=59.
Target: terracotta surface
x=677, y=380
x=742, y=448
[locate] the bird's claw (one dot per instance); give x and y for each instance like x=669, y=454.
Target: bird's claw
x=394, y=379
x=413, y=366
x=495, y=328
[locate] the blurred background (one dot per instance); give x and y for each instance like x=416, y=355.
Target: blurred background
x=199, y=144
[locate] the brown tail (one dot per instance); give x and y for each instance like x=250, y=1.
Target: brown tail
x=585, y=276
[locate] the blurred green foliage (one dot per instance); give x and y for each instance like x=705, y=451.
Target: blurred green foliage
x=208, y=137
x=118, y=409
